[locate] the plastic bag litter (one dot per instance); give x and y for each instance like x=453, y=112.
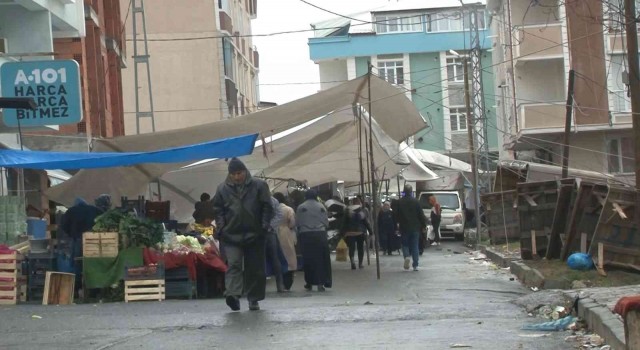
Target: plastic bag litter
x=580, y=261
x=341, y=251
x=558, y=325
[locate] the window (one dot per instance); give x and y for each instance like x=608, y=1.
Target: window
x=453, y=21
x=458, y=118
x=398, y=23
x=620, y=155
x=616, y=16
x=228, y=59
x=391, y=71
x=455, y=69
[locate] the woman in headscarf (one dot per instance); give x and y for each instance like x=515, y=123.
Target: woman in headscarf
x=287, y=238
x=312, y=222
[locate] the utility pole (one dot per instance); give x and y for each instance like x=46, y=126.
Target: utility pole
x=374, y=188
x=634, y=89
x=567, y=125
x=472, y=148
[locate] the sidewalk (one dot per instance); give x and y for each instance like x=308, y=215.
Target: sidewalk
x=595, y=305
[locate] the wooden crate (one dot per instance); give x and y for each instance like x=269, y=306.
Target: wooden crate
x=11, y=279
x=501, y=211
x=537, y=203
x=100, y=244
x=59, y=288
x=149, y=272
x=144, y=290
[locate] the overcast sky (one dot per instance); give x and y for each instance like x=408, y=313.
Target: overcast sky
x=285, y=58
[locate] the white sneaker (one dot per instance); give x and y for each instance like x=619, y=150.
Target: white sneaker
x=407, y=263
x=415, y=268
x=434, y=244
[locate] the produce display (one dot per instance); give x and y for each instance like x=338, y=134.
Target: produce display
x=182, y=245
x=133, y=231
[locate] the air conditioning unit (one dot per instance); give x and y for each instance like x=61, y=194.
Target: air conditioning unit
x=4, y=48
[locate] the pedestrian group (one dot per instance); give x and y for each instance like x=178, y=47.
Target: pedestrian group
x=260, y=233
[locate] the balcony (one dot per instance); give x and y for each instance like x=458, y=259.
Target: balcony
x=542, y=115
x=538, y=42
x=226, y=23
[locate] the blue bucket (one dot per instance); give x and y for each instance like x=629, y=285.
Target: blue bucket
x=37, y=228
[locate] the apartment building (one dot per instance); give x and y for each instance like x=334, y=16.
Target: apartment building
x=28, y=29
x=203, y=64
x=419, y=48
x=536, y=44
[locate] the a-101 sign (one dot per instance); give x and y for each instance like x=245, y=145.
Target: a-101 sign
x=54, y=85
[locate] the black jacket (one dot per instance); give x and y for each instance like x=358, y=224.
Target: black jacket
x=79, y=219
x=243, y=212
x=355, y=220
x=409, y=215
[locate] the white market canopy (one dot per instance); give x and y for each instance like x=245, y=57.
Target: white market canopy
x=325, y=150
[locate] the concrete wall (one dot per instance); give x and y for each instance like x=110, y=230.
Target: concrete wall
x=332, y=73
x=39, y=37
x=540, y=81
x=425, y=69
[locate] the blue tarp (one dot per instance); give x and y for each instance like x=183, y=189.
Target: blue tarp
x=224, y=148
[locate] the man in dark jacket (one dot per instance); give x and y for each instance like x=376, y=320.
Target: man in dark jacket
x=243, y=210
x=411, y=222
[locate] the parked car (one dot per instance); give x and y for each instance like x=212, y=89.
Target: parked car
x=453, y=214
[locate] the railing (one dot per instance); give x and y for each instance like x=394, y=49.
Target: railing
x=539, y=41
x=542, y=115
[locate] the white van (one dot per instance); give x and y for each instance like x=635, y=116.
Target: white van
x=453, y=217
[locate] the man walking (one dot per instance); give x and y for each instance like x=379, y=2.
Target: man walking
x=243, y=215
x=411, y=222
x=273, y=246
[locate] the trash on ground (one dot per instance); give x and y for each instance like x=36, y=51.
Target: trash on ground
x=457, y=346
x=535, y=289
x=557, y=325
x=541, y=335
x=36, y=317
x=580, y=261
x=368, y=303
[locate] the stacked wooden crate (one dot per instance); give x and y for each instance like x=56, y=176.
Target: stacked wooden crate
x=100, y=244
x=144, y=283
x=11, y=279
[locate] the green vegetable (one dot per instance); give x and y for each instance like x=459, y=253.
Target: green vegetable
x=133, y=231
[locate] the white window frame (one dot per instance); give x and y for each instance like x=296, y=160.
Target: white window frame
x=384, y=65
x=452, y=21
x=405, y=23
x=456, y=63
x=456, y=116
x=619, y=156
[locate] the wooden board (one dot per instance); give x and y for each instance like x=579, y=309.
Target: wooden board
x=11, y=273
x=502, y=216
x=100, y=244
x=536, y=208
x=584, y=217
x=564, y=206
x=58, y=288
x=616, y=230
x=144, y=290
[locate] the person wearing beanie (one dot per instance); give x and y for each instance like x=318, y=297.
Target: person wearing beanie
x=243, y=213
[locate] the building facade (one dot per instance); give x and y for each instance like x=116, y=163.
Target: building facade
x=420, y=50
x=537, y=43
x=189, y=40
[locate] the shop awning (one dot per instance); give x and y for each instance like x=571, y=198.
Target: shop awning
x=224, y=148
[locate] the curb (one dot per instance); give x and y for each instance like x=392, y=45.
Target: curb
x=603, y=322
x=598, y=317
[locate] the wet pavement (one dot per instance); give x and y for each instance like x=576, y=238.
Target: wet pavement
x=452, y=301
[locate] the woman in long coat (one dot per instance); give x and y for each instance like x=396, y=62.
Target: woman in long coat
x=312, y=222
x=287, y=238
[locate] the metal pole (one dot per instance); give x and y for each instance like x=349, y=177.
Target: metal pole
x=360, y=151
x=567, y=126
x=472, y=154
x=374, y=193
x=135, y=64
x=634, y=90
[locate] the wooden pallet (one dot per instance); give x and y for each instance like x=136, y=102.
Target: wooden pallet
x=100, y=244
x=144, y=290
x=11, y=279
x=58, y=288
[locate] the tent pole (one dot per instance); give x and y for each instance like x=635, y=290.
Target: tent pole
x=374, y=193
x=370, y=217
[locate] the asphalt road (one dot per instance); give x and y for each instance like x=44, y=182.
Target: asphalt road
x=452, y=300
